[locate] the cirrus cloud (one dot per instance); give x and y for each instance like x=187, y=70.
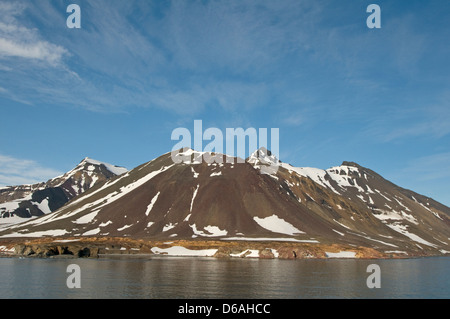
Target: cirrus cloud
x=19, y=41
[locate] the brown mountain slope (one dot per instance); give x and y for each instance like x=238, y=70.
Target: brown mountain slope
x=348, y=205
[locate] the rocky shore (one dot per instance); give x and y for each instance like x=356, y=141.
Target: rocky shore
x=102, y=247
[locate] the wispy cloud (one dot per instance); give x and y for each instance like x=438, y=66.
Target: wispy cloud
x=197, y=55
x=430, y=167
x=19, y=41
x=240, y=36
x=185, y=57
x=428, y=119
x=39, y=50
x=16, y=171
x=428, y=174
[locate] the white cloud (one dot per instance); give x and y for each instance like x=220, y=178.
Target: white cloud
x=15, y=171
x=19, y=41
x=39, y=50
x=196, y=55
x=184, y=56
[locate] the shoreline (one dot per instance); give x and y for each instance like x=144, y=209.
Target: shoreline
x=102, y=247
x=149, y=257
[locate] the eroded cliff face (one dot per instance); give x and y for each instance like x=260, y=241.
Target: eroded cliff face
x=51, y=250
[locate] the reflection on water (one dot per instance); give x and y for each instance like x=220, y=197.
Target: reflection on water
x=172, y=277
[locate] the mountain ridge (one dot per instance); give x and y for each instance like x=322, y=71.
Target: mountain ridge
x=25, y=201
x=200, y=200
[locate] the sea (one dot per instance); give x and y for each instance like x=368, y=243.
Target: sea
x=162, y=277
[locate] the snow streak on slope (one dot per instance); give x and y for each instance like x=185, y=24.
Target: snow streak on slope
x=193, y=197
x=150, y=206
x=277, y=225
x=403, y=229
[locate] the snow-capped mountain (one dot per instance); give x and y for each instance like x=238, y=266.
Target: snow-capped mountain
x=198, y=199
x=25, y=201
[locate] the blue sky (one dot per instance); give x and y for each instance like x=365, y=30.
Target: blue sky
x=115, y=89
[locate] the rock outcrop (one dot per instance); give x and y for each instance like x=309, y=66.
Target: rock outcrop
x=51, y=250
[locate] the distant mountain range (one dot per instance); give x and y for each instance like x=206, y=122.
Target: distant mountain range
x=161, y=200
x=25, y=201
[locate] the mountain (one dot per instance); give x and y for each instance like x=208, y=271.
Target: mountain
x=25, y=201
x=228, y=201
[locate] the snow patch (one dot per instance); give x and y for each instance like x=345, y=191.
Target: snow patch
x=94, y=181
x=385, y=215
x=376, y=240
x=10, y=206
x=341, y=224
x=169, y=227
x=277, y=225
x=92, y=232
x=150, y=206
x=402, y=229
x=86, y=219
x=342, y=234
x=117, y=170
x=51, y=232
x=341, y=254
x=213, y=231
x=386, y=198
x=194, y=172
x=215, y=174
x=193, y=197
x=315, y=174
x=312, y=241
x=43, y=206
x=106, y=223
x=182, y=251
x=190, y=156
x=124, y=227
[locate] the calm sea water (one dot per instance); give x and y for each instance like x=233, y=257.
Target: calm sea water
x=172, y=277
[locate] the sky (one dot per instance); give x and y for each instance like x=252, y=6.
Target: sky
x=116, y=88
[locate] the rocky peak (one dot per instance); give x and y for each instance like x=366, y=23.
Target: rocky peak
x=353, y=164
x=34, y=200
x=263, y=156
